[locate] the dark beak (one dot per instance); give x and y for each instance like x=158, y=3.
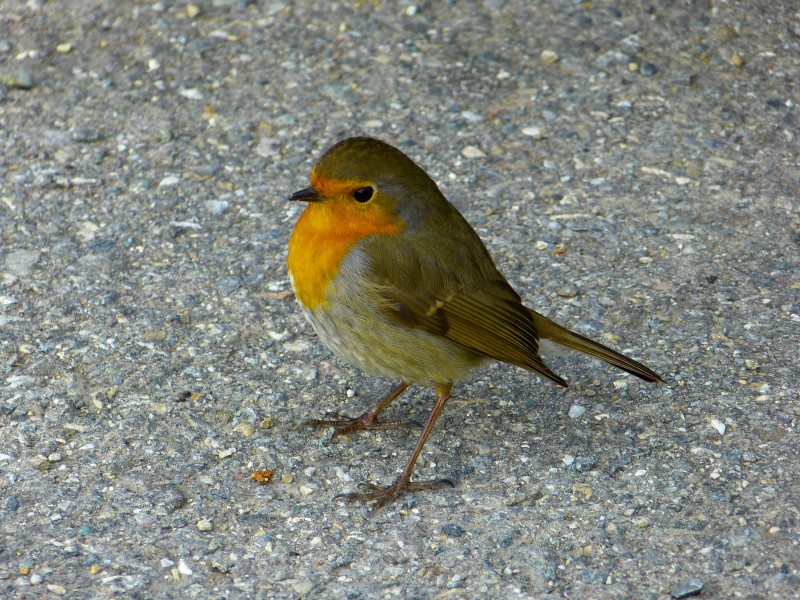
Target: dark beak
x=308, y=194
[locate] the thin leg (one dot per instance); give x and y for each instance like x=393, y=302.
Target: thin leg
x=383, y=496
x=369, y=420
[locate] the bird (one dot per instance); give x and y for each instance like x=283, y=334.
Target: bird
x=396, y=282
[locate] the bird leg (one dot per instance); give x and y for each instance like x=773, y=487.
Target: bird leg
x=385, y=495
x=369, y=420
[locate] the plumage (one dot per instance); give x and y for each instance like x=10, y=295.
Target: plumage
x=396, y=281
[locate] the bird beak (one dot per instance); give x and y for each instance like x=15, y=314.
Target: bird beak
x=308, y=194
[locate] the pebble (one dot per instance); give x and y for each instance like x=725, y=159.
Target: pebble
x=58, y=590
x=473, y=152
x=216, y=207
x=471, y=116
x=534, y=131
x=718, y=425
x=191, y=94
x=453, y=530
x=22, y=262
x=303, y=587
x=690, y=587
x=19, y=79
x=183, y=568
x=548, y=57
x=267, y=147
x=648, y=69
x=576, y=410
x=567, y=291
x=12, y=504
x=169, y=180
x=64, y=48
x=177, y=228
x=204, y=525
x=36, y=579
x=226, y=452
x=540, y=245
x=568, y=460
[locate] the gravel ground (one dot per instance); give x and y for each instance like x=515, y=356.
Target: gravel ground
x=632, y=167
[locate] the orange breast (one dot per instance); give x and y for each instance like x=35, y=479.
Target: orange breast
x=325, y=233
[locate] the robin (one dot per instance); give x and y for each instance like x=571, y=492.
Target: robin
x=395, y=281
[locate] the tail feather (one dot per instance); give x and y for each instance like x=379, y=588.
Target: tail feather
x=553, y=332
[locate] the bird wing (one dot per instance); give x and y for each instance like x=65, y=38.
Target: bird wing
x=454, y=290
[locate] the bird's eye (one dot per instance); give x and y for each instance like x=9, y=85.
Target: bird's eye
x=363, y=194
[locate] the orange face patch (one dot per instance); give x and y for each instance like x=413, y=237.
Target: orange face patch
x=327, y=231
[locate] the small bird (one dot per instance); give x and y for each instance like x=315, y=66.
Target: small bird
x=395, y=281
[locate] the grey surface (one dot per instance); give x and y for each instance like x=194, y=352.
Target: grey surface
x=152, y=355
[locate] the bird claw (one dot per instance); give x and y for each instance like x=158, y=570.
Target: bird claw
x=382, y=496
x=344, y=425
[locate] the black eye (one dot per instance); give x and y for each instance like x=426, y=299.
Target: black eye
x=363, y=194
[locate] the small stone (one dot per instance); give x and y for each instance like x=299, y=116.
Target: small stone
x=19, y=79
x=540, y=245
x=575, y=411
x=534, y=131
x=643, y=523
x=183, y=568
x=287, y=478
x=58, y=590
x=177, y=228
x=267, y=147
x=54, y=457
x=192, y=10
x=648, y=69
x=548, y=57
x=36, y=579
x=167, y=563
x=568, y=460
x=303, y=587
x=737, y=60
x=633, y=67
x=227, y=452
x=12, y=504
x=169, y=180
x=191, y=94
x=245, y=429
x=22, y=262
x=645, y=260
x=683, y=180
x=690, y=587
x=305, y=490
x=453, y=530
x=471, y=116
x=567, y=291
x=64, y=48
x=473, y=152
x=204, y=525
x=718, y=425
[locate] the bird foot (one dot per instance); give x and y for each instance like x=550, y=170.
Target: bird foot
x=344, y=425
x=382, y=496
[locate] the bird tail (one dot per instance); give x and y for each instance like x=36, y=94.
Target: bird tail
x=553, y=332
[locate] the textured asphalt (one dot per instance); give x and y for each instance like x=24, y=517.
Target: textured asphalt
x=632, y=167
